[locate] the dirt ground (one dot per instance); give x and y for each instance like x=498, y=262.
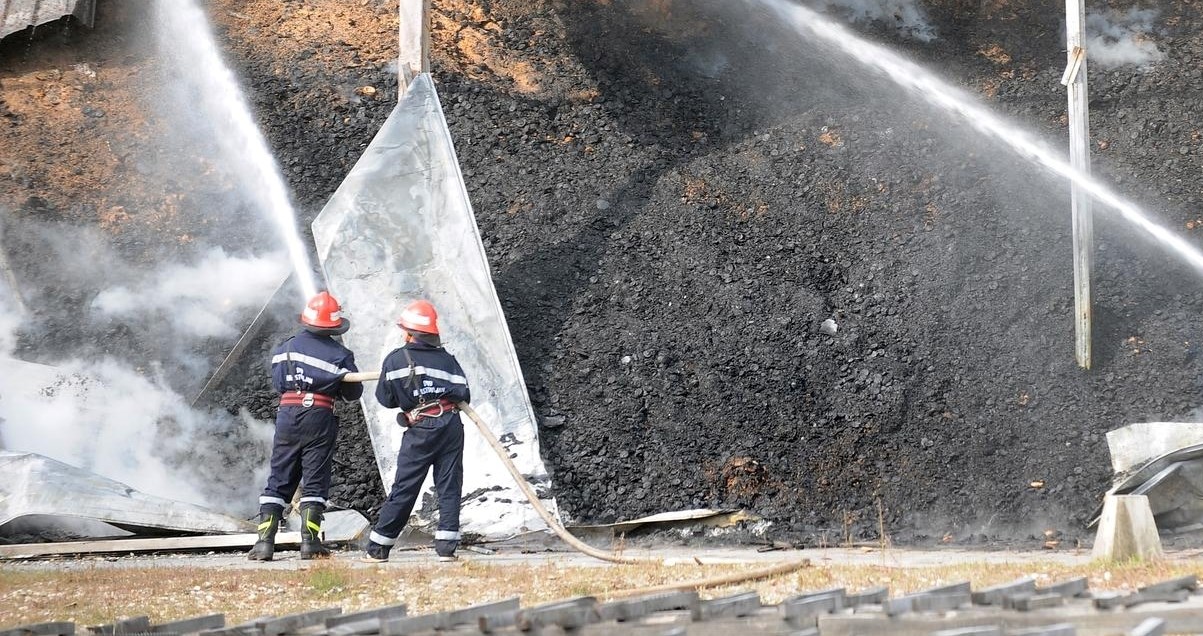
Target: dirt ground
x=674, y=197
x=101, y=589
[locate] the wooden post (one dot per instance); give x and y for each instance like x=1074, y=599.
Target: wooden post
x=1079, y=155
x=414, y=49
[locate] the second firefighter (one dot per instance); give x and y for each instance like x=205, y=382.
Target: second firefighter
x=426, y=382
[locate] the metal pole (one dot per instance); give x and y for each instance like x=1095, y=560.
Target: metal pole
x=425, y=36
x=414, y=49
x=1079, y=155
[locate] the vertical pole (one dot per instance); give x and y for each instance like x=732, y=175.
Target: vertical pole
x=425, y=36
x=413, y=53
x=1079, y=154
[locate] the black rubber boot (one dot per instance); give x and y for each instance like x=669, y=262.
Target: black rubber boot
x=446, y=549
x=311, y=532
x=269, y=523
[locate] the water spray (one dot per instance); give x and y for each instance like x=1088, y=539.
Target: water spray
x=939, y=93
x=186, y=34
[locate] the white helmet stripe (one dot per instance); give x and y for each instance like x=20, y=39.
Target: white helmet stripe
x=415, y=318
x=312, y=315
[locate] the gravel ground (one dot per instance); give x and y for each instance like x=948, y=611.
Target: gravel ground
x=836, y=557
x=674, y=198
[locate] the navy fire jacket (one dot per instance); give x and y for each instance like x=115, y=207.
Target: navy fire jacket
x=425, y=375
x=311, y=363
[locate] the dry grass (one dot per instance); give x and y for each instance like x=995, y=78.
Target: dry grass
x=101, y=594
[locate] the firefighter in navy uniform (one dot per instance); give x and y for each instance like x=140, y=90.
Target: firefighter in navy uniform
x=307, y=370
x=426, y=383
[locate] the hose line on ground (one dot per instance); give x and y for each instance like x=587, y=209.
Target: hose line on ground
x=581, y=546
x=534, y=498
x=585, y=548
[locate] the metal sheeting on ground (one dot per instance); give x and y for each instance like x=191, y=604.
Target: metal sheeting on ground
x=400, y=227
x=17, y=15
x=1164, y=462
x=49, y=413
x=1174, y=485
x=687, y=520
x=34, y=485
x=1135, y=445
x=414, y=52
x=339, y=526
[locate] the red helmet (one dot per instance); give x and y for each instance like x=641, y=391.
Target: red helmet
x=421, y=317
x=323, y=312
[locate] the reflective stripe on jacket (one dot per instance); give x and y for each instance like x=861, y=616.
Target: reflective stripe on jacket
x=308, y=362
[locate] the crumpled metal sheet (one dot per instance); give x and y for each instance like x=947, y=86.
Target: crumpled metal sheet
x=401, y=227
x=37, y=485
x=17, y=15
x=1135, y=445
x=1173, y=484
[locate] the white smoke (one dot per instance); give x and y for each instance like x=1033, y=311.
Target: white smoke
x=173, y=313
x=124, y=335
x=120, y=418
x=1117, y=38
x=106, y=417
x=198, y=299
x=12, y=310
x=905, y=15
x=9, y=320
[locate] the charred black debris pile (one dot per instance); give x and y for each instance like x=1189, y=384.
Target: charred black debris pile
x=674, y=199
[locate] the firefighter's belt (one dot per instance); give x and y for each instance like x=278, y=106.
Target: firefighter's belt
x=432, y=410
x=307, y=400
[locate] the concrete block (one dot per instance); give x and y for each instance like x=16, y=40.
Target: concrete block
x=1136, y=444
x=1030, y=602
x=997, y=594
x=636, y=608
x=1189, y=582
x=872, y=596
x=1073, y=587
x=1127, y=530
x=737, y=605
x=1149, y=627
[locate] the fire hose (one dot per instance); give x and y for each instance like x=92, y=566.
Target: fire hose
x=566, y=536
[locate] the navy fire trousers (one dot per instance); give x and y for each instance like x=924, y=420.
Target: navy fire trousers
x=303, y=448
x=438, y=443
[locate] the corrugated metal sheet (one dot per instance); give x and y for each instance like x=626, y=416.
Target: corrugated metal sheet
x=36, y=485
x=17, y=15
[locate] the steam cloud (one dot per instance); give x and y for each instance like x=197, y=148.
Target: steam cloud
x=104, y=416
x=124, y=331
x=1117, y=38
x=907, y=16
x=9, y=321
x=197, y=299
